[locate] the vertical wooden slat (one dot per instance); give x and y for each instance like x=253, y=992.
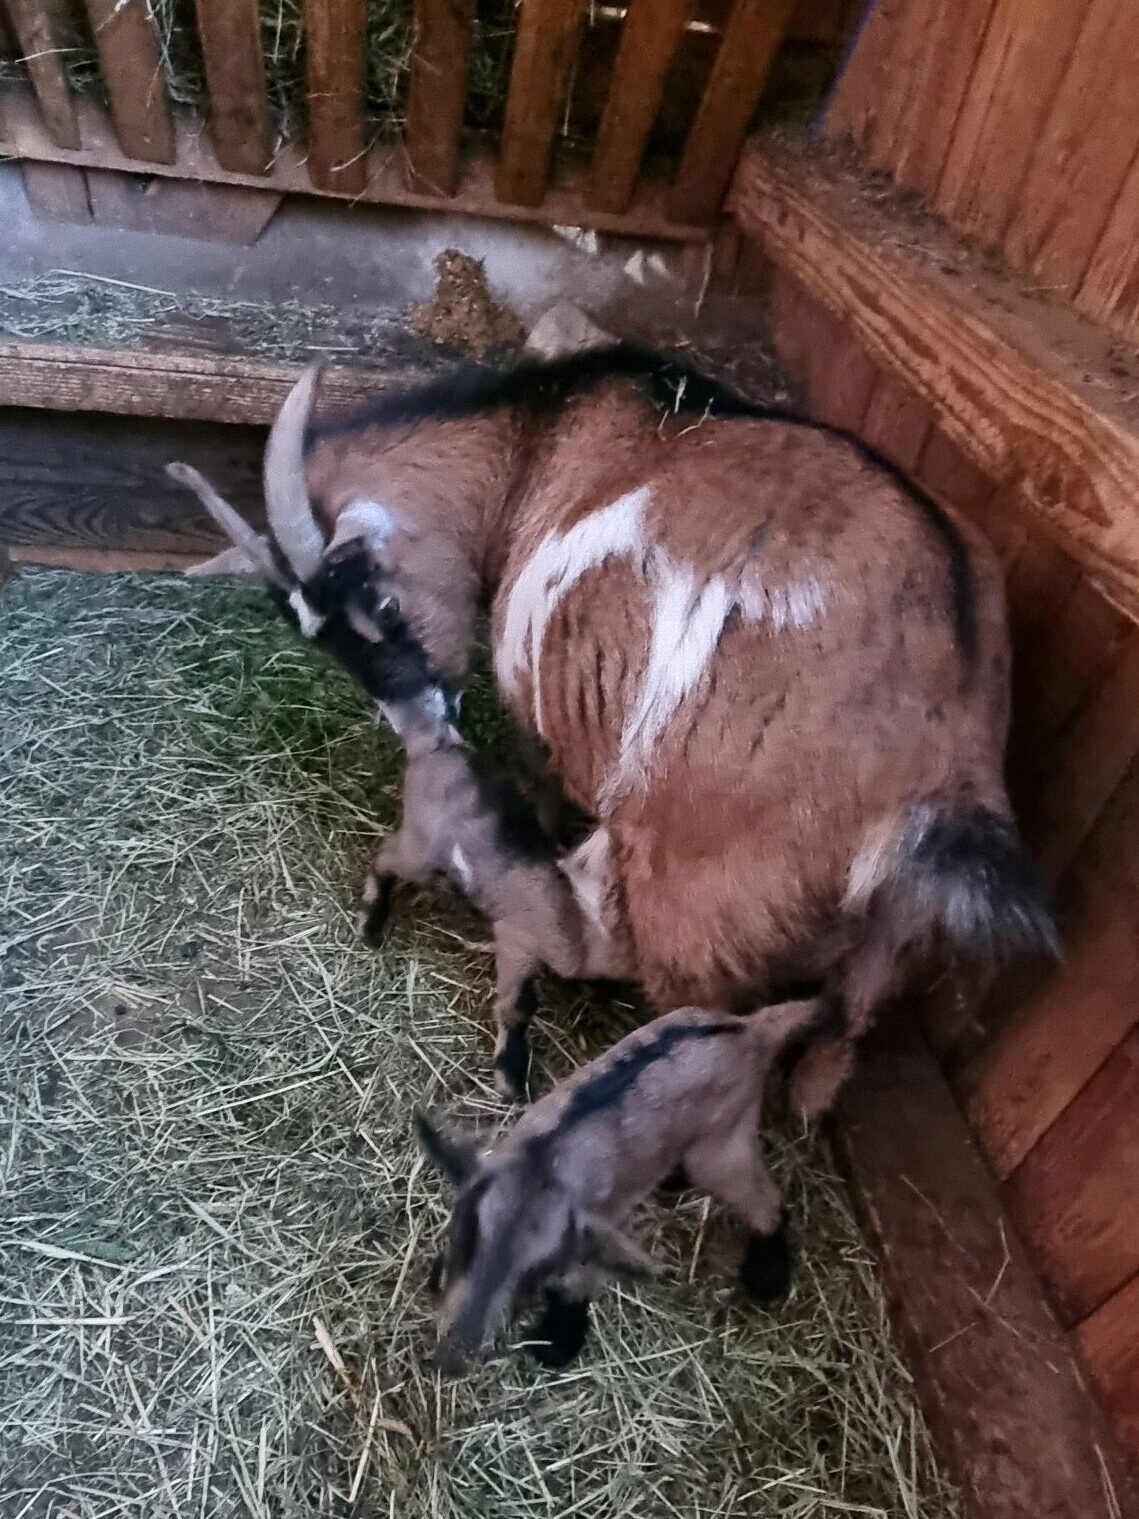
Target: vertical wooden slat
x=1109, y=1344
x=954, y=35
x=897, y=101
x=897, y=423
x=951, y=478
x=334, y=44
x=235, y=76
x=858, y=91
x=132, y=71
x=539, y=82
x=1021, y=64
x=36, y=35
x=437, y=93
x=1110, y=289
x=1082, y=159
x=754, y=31
x=652, y=33
x=1073, y=1196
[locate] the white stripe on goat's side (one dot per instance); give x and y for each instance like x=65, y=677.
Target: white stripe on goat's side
x=797, y=605
x=688, y=620
x=557, y=564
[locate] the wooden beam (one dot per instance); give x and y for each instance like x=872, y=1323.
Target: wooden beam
x=1073, y=1195
x=230, y=31
x=37, y=36
x=753, y=33
x=1109, y=1343
x=1031, y=393
x=1008, y=1410
x=652, y=33
x=178, y=207
x=437, y=93
x=57, y=192
x=386, y=178
x=192, y=384
x=334, y=50
x=544, y=47
x=132, y=71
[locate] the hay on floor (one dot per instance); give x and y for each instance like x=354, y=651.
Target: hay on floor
x=216, y=1226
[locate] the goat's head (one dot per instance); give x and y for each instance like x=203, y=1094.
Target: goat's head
x=516, y=1228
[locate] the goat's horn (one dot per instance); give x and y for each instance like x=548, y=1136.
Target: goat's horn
x=232, y=524
x=291, y=519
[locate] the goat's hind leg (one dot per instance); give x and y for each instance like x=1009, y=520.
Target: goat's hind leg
x=733, y=1170
x=515, y=1005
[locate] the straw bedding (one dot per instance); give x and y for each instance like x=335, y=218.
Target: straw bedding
x=216, y=1227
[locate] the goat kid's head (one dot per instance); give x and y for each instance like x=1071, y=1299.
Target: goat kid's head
x=515, y=1229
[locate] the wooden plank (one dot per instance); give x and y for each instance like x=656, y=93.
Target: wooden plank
x=1085, y=640
x=230, y=32
x=838, y=378
x=1087, y=147
x=1110, y=289
x=113, y=561
x=37, y=35
x=650, y=37
x=1019, y=1086
x=1041, y=402
x=897, y=101
x=1109, y=1343
x=334, y=51
x=1073, y=1196
x=98, y=484
x=1021, y=63
x=951, y=477
x=539, y=83
x=132, y=71
x=195, y=385
x=57, y=192
x=386, y=178
x=754, y=32
x=897, y=423
x=437, y=92
x=856, y=96
x=1008, y=1410
x=179, y=207
x=954, y=32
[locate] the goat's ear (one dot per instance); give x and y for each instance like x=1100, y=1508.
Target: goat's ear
x=606, y=1247
x=454, y=1155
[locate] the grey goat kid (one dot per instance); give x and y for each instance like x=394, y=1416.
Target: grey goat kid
x=543, y=1213
x=478, y=830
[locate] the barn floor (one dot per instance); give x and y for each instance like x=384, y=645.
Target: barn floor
x=216, y=1227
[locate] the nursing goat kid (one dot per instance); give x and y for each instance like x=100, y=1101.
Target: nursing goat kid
x=776, y=675
x=544, y=1213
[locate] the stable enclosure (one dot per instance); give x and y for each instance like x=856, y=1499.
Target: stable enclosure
x=919, y=220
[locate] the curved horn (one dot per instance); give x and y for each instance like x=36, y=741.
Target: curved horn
x=250, y=544
x=291, y=518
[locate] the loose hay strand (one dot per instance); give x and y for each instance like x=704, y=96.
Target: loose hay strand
x=209, y=1086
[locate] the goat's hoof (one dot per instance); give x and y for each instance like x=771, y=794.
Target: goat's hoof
x=674, y=1183
x=512, y=1066
x=370, y=925
x=435, y=1275
x=765, y=1275
x=560, y=1332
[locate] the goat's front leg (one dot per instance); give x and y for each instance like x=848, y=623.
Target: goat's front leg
x=515, y=1004
x=399, y=858
x=733, y=1170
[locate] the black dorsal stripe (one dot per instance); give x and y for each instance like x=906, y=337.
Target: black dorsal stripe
x=611, y=1085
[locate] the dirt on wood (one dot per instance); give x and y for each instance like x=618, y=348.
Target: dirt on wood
x=462, y=312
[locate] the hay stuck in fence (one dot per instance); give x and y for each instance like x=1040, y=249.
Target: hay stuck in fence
x=216, y=1226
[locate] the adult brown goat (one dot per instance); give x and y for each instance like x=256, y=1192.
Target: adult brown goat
x=776, y=675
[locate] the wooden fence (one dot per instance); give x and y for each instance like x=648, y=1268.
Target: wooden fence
x=436, y=164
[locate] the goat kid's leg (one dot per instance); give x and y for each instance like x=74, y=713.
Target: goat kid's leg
x=397, y=859
x=734, y=1172
x=515, y=1004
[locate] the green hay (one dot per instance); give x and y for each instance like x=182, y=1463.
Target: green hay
x=208, y=1085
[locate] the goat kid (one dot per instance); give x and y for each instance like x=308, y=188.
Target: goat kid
x=543, y=1213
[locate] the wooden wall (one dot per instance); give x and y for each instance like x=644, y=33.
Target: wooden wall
x=1018, y=120
x=1049, y=1074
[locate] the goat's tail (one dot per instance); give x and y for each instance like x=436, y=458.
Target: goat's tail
x=955, y=871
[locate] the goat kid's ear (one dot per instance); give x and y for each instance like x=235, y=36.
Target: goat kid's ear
x=605, y=1247
x=452, y=1154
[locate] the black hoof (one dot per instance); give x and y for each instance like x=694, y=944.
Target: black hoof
x=435, y=1275
x=766, y=1271
x=512, y=1066
x=676, y=1181
x=374, y=916
x=560, y=1332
